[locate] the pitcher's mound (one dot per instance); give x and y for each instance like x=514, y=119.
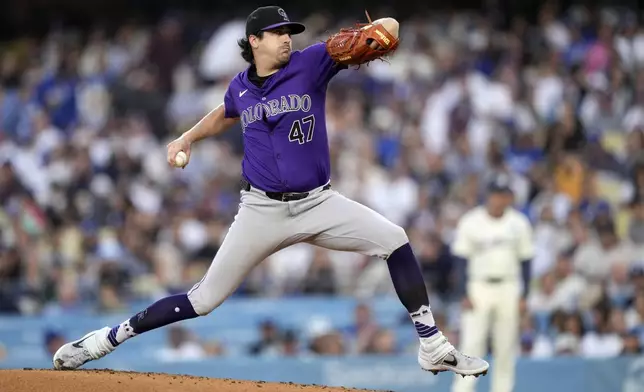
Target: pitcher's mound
x=107, y=381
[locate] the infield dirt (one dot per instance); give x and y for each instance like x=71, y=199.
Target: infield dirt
x=38, y=380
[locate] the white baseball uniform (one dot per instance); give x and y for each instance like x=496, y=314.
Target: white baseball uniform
x=494, y=249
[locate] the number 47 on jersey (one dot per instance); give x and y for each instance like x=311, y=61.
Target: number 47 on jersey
x=302, y=130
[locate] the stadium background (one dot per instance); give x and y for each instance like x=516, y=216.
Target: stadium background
x=94, y=225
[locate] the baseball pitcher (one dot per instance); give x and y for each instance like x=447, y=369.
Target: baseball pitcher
x=495, y=245
x=286, y=195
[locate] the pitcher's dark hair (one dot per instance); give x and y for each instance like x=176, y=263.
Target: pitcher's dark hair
x=246, y=49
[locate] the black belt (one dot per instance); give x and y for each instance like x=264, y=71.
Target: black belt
x=495, y=280
x=283, y=196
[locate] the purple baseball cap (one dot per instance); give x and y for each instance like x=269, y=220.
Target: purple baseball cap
x=270, y=17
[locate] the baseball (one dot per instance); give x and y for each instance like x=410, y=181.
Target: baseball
x=180, y=159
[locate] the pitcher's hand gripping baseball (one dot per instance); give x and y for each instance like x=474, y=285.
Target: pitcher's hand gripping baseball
x=179, y=153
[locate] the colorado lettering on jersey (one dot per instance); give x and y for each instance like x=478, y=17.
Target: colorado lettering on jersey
x=274, y=107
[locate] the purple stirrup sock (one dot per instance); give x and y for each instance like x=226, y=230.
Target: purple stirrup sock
x=165, y=311
x=410, y=287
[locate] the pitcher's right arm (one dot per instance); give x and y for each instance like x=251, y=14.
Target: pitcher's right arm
x=212, y=124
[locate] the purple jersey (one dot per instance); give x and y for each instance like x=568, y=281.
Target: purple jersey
x=284, y=125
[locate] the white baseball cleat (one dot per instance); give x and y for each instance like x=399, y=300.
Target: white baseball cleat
x=92, y=346
x=436, y=354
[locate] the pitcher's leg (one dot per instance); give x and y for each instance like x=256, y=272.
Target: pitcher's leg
x=246, y=244
x=342, y=224
x=339, y=223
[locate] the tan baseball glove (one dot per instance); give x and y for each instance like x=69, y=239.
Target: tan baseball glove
x=361, y=44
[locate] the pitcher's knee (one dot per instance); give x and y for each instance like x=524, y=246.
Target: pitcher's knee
x=397, y=237
x=203, y=304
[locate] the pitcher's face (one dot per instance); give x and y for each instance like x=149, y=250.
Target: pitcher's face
x=275, y=46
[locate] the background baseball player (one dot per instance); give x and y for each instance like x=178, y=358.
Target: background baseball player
x=286, y=196
x=495, y=245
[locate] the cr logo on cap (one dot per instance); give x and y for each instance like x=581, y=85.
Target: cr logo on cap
x=283, y=14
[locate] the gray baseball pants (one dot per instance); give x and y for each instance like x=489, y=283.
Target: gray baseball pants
x=264, y=226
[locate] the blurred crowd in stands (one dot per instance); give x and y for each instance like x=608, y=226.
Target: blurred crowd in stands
x=91, y=213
